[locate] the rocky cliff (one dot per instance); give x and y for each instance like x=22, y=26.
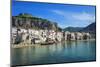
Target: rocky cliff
x=27, y=21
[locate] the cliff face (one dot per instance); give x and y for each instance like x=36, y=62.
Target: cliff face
x=28, y=21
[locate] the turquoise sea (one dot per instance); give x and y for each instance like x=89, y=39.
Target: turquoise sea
x=65, y=52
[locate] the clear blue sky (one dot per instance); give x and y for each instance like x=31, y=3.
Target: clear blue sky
x=64, y=15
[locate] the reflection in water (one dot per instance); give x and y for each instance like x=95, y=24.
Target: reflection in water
x=69, y=51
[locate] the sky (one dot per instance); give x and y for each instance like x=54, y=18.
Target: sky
x=66, y=15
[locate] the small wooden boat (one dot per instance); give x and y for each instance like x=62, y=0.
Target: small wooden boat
x=48, y=43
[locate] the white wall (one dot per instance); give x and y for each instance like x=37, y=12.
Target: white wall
x=5, y=33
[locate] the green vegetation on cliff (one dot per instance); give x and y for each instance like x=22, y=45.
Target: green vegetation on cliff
x=27, y=21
